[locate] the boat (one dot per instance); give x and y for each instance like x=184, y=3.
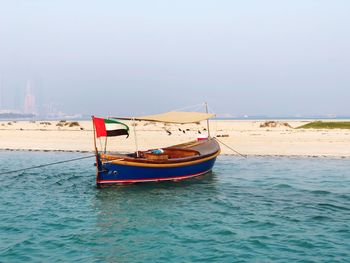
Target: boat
x=172, y=163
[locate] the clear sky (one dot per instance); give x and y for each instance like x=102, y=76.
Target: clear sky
x=281, y=57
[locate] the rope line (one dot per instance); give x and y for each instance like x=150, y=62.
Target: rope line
x=48, y=164
x=189, y=107
x=245, y=156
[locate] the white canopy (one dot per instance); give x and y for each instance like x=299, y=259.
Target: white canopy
x=175, y=117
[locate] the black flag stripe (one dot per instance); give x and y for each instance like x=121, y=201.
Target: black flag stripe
x=118, y=132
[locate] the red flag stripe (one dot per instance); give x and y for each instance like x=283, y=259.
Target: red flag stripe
x=100, y=127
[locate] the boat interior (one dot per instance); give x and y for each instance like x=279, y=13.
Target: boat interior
x=181, y=152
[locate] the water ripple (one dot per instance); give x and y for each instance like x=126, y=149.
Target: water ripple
x=255, y=210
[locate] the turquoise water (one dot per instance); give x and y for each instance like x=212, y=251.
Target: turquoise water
x=256, y=210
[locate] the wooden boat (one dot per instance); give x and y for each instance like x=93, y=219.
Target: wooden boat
x=176, y=162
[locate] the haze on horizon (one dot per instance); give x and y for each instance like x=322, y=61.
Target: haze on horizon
x=141, y=57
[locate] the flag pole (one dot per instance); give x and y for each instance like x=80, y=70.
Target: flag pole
x=93, y=126
x=135, y=137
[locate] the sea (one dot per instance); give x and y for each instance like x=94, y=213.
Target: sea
x=259, y=209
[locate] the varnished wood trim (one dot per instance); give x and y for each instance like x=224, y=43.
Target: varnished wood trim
x=164, y=165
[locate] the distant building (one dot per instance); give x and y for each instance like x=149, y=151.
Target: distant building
x=29, y=101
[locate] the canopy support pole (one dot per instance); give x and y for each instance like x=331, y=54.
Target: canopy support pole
x=135, y=137
x=206, y=109
x=106, y=145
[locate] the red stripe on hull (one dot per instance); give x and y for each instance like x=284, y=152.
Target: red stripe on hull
x=150, y=179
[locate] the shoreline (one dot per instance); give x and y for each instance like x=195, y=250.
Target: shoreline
x=225, y=154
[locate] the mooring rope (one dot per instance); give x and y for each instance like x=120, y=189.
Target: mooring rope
x=48, y=164
x=245, y=156
x=193, y=107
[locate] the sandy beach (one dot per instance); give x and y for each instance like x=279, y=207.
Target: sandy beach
x=245, y=136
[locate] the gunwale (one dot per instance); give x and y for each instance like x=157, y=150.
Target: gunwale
x=207, y=150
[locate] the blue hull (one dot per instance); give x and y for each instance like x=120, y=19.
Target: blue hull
x=111, y=173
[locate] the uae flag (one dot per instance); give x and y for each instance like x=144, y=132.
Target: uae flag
x=109, y=127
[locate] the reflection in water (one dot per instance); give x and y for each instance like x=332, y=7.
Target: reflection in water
x=135, y=218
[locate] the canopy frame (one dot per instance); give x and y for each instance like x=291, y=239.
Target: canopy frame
x=176, y=117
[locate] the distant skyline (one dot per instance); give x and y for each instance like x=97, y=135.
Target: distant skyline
x=140, y=57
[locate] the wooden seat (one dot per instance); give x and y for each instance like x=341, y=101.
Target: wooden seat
x=155, y=156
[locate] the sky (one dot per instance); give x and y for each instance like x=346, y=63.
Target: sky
x=110, y=57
